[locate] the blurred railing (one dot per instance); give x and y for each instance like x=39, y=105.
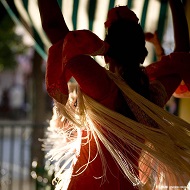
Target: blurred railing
x=17, y=170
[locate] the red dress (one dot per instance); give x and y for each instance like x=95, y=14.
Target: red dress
x=68, y=59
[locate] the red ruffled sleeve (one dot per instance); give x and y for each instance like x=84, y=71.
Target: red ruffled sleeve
x=170, y=71
x=183, y=66
x=76, y=43
x=54, y=70
x=182, y=91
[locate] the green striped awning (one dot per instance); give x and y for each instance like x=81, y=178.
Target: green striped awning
x=89, y=14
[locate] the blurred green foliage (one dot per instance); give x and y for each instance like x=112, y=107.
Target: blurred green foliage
x=11, y=44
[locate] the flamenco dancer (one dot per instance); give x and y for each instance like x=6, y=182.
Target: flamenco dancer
x=109, y=130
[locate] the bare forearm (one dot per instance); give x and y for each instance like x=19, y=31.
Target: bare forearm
x=181, y=34
x=52, y=20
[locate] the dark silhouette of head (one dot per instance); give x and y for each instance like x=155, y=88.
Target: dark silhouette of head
x=127, y=43
x=127, y=48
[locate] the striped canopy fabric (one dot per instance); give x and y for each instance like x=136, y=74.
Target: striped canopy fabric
x=91, y=14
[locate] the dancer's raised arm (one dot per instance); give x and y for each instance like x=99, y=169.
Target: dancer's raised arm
x=52, y=19
x=181, y=33
x=172, y=69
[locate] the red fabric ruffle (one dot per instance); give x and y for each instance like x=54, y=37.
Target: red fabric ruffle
x=80, y=42
x=174, y=65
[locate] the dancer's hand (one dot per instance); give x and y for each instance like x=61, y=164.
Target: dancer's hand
x=153, y=38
